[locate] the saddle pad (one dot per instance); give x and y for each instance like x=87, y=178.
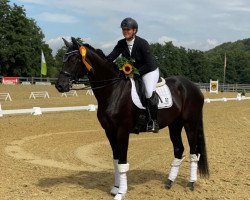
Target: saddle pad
x=165, y=100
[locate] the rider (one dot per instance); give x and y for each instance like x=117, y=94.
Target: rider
x=132, y=46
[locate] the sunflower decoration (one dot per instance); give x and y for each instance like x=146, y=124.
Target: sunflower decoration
x=126, y=66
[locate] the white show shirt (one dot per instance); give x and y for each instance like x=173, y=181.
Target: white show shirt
x=130, y=45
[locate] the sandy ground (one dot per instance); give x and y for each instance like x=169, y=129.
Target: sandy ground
x=66, y=155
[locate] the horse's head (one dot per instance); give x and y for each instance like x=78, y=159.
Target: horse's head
x=73, y=67
x=81, y=59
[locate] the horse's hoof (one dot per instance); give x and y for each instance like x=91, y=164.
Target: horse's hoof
x=114, y=191
x=168, y=184
x=119, y=196
x=191, y=186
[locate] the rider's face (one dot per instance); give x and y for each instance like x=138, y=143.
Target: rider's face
x=128, y=33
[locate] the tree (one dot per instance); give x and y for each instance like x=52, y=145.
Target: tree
x=59, y=61
x=22, y=42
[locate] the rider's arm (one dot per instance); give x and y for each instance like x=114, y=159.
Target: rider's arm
x=149, y=63
x=115, y=53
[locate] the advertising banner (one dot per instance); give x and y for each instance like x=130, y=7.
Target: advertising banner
x=9, y=80
x=214, y=86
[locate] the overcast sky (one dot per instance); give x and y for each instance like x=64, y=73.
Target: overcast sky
x=195, y=24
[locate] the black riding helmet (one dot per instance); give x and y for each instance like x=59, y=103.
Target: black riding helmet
x=129, y=23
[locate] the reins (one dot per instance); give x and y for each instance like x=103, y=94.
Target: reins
x=115, y=80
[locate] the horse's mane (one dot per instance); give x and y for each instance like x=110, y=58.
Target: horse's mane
x=98, y=51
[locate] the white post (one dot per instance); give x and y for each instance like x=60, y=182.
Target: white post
x=37, y=111
x=1, y=112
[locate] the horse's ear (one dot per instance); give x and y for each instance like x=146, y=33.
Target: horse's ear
x=66, y=43
x=75, y=42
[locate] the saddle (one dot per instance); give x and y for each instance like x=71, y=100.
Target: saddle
x=139, y=100
x=162, y=91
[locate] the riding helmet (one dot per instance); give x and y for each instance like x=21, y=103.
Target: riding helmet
x=129, y=23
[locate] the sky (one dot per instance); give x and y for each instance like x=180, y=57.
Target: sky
x=193, y=24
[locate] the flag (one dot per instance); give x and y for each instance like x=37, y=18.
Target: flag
x=225, y=63
x=43, y=65
x=225, y=66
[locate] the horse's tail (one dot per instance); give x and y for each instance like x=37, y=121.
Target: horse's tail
x=203, y=162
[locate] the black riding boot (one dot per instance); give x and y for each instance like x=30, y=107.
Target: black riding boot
x=152, y=107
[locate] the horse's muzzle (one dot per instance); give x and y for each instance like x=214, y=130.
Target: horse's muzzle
x=62, y=86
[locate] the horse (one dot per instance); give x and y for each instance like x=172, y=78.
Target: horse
x=118, y=115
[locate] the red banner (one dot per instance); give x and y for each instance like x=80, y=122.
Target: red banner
x=10, y=80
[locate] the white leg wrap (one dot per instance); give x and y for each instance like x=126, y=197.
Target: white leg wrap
x=175, y=166
x=193, y=167
x=123, y=187
x=119, y=197
x=117, y=177
x=123, y=168
x=115, y=189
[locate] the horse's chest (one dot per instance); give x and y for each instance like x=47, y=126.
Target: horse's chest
x=108, y=119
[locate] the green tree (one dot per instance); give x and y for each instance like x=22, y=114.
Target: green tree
x=198, y=66
x=238, y=62
x=23, y=41
x=59, y=61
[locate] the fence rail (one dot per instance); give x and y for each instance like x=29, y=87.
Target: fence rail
x=39, y=110
x=226, y=87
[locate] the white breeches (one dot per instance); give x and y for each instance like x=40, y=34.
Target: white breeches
x=150, y=80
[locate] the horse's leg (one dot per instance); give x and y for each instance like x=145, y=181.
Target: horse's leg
x=123, y=166
x=191, y=128
x=175, y=136
x=113, y=143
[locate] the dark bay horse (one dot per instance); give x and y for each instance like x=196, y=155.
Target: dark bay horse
x=118, y=115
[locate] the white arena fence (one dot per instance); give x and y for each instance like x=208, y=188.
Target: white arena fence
x=5, y=96
x=239, y=98
x=48, y=81
x=39, y=111
x=70, y=93
x=91, y=107
x=43, y=94
x=225, y=87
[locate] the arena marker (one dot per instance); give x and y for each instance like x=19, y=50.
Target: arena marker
x=1, y=112
x=36, y=111
x=92, y=107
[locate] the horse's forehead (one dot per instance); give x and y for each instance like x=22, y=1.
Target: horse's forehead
x=69, y=54
x=71, y=48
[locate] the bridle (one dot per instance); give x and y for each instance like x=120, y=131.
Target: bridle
x=73, y=78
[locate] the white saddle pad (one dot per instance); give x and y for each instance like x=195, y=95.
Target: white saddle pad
x=163, y=91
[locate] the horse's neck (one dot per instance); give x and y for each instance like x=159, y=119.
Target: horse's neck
x=102, y=69
x=102, y=78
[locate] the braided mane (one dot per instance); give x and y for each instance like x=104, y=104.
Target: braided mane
x=98, y=51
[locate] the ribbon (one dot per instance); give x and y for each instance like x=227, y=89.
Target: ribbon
x=83, y=52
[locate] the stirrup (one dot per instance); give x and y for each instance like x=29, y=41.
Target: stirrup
x=152, y=126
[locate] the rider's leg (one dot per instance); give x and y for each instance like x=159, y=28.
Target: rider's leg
x=150, y=80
